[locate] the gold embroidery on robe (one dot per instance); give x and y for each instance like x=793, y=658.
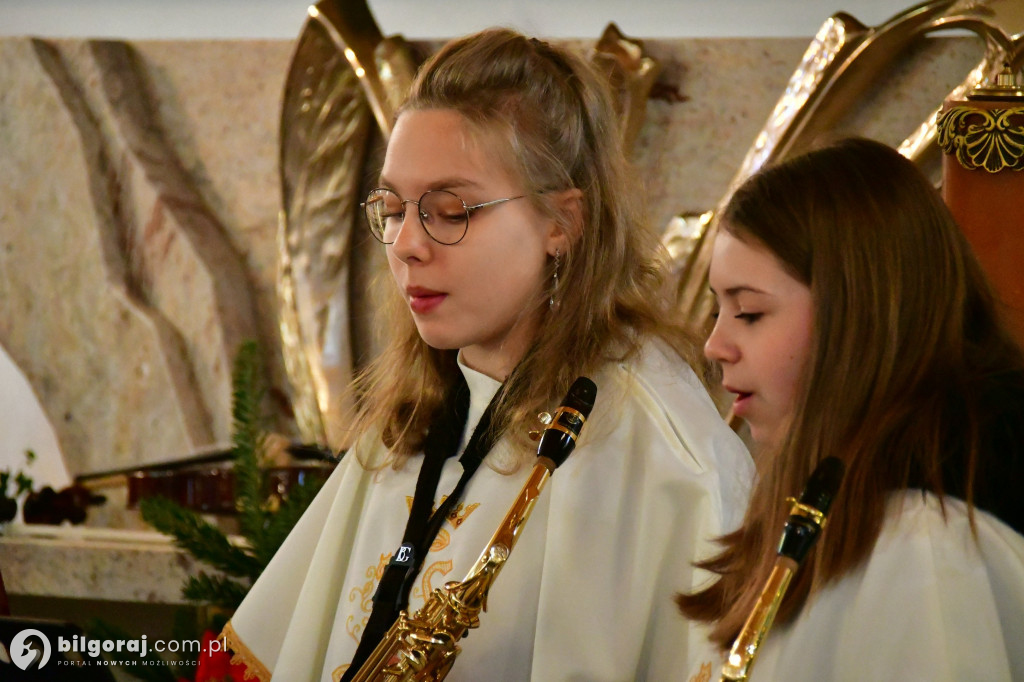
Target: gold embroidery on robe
x=441, y=568
x=704, y=675
x=443, y=539
x=254, y=668
x=456, y=517
x=364, y=595
x=461, y=512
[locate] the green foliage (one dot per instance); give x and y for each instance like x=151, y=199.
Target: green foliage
x=214, y=590
x=249, y=440
x=263, y=524
x=198, y=537
x=22, y=486
x=280, y=523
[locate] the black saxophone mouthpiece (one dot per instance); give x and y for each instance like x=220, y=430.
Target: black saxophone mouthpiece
x=808, y=514
x=559, y=438
x=823, y=484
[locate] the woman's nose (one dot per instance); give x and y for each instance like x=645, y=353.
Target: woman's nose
x=718, y=347
x=412, y=241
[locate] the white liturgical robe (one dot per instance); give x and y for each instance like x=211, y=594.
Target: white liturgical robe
x=930, y=603
x=587, y=592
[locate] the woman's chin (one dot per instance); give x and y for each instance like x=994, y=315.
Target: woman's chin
x=764, y=438
x=438, y=341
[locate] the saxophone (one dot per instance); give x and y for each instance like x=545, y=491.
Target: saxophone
x=807, y=518
x=423, y=647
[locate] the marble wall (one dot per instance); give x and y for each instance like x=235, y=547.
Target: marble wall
x=139, y=202
x=138, y=217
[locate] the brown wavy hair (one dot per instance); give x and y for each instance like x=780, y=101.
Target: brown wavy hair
x=907, y=340
x=553, y=120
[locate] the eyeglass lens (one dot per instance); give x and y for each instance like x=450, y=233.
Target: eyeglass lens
x=442, y=214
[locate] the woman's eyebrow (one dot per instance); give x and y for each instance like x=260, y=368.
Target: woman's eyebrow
x=739, y=289
x=450, y=182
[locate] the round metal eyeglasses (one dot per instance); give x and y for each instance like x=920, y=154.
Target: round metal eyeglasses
x=443, y=214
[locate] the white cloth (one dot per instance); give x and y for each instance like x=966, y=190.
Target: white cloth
x=930, y=604
x=587, y=591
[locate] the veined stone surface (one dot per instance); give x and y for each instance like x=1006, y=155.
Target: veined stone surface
x=139, y=201
x=128, y=277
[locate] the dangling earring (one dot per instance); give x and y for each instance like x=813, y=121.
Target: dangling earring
x=554, y=282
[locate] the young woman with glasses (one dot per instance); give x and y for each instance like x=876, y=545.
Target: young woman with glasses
x=854, y=322
x=519, y=261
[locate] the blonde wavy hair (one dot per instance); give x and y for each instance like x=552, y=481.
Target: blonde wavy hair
x=553, y=119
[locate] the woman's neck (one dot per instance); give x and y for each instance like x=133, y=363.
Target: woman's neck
x=494, y=365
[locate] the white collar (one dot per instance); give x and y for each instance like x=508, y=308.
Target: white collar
x=481, y=389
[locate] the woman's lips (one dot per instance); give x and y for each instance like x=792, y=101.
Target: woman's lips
x=741, y=404
x=424, y=300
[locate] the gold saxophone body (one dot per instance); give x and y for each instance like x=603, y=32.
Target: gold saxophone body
x=807, y=518
x=423, y=647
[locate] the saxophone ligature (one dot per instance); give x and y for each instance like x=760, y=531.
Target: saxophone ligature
x=423, y=647
x=807, y=518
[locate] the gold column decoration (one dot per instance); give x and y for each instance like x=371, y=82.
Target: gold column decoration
x=840, y=65
x=982, y=139
x=985, y=131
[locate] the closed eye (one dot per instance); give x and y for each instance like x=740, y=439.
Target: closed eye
x=749, y=318
x=453, y=218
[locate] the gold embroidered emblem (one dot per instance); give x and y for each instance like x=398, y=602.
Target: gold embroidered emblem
x=704, y=675
x=456, y=517
x=443, y=539
x=461, y=512
x=364, y=596
x=441, y=568
x=339, y=672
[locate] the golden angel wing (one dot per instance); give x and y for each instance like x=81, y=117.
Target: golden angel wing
x=335, y=92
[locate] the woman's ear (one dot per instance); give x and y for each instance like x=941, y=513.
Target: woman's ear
x=568, y=227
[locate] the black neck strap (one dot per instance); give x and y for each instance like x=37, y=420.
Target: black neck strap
x=441, y=443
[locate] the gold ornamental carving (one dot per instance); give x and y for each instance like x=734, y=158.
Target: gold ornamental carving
x=631, y=74
x=989, y=139
x=839, y=67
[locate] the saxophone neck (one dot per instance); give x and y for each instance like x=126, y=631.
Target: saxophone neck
x=748, y=642
x=508, y=532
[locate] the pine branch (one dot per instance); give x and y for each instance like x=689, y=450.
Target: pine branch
x=280, y=523
x=264, y=526
x=215, y=590
x=249, y=440
x=196, y=536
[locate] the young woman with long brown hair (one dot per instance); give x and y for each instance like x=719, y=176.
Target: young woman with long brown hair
x=519, y=260
x=855, y=322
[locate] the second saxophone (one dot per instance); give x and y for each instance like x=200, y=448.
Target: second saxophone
x=807, y=518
